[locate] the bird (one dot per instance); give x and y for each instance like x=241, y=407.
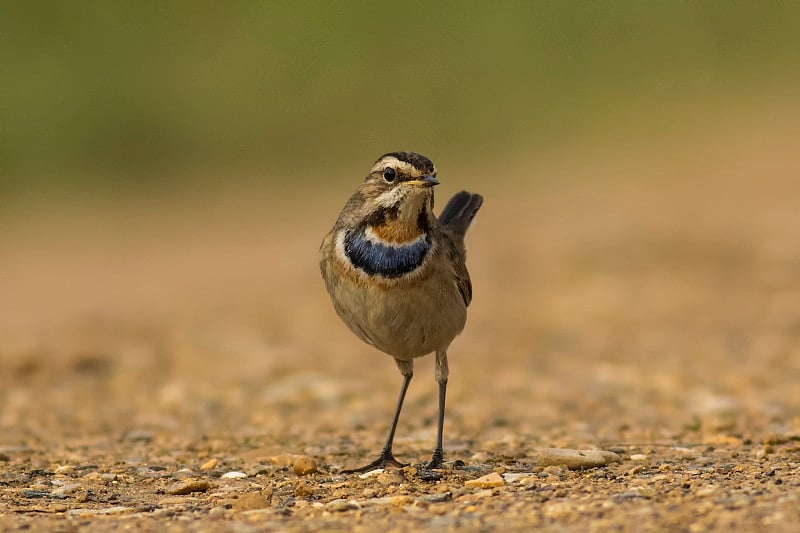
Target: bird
x=396, y=274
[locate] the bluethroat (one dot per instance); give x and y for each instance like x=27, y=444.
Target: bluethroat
x=396, y=273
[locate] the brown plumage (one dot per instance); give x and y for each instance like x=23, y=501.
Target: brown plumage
x=397, y=275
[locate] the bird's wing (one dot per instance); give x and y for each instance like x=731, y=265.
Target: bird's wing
x=464, y=284
x=456, y=257
x=456, y=218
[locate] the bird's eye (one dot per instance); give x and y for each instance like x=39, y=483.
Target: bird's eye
x=389, y=174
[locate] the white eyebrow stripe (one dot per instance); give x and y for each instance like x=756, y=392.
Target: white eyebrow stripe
x=402, y=166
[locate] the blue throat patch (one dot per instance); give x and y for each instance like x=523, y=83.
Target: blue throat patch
x=386, y=260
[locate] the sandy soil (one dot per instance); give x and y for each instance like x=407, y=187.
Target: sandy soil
x=180, y=367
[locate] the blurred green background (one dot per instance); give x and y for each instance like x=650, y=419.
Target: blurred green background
x=114, y=98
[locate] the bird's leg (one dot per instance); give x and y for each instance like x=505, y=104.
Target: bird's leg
x=442, y=371
x=387, y=458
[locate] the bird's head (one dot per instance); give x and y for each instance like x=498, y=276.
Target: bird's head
x=398, y=192
x=398, y=177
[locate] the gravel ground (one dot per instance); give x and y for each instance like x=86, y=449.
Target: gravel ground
x=185, y=371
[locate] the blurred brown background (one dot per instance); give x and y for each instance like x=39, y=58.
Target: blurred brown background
x=168, y=170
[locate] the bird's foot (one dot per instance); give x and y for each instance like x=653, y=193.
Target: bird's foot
x=436, y=460
x=386, y=459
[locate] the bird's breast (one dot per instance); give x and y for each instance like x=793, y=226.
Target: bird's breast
x=385, y=250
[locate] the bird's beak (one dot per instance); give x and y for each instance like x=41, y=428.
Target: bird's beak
x=426, y=180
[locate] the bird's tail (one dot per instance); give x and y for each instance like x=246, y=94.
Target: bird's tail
x=460, y=210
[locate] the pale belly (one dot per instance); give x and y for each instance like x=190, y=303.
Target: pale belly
x=405, y=320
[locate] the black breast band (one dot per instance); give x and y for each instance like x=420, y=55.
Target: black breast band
x=384, y=259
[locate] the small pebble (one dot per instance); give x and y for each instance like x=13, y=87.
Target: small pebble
x=66, y=469
x=35, y=494
x=233, y=475
x=208, y=465
x=638, y=457
x=576, y=459
x=251, y=501
x=256, y=471
x=488, y=481
x=304, y=465
x=303, y=490
x=341, y=504
x=188, y=487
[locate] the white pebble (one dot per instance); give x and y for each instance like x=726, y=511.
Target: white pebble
x=511, y=477
x=371, y=473
x=233, y=475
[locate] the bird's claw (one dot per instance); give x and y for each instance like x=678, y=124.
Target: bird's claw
x=386, y=459
x=436, y=460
